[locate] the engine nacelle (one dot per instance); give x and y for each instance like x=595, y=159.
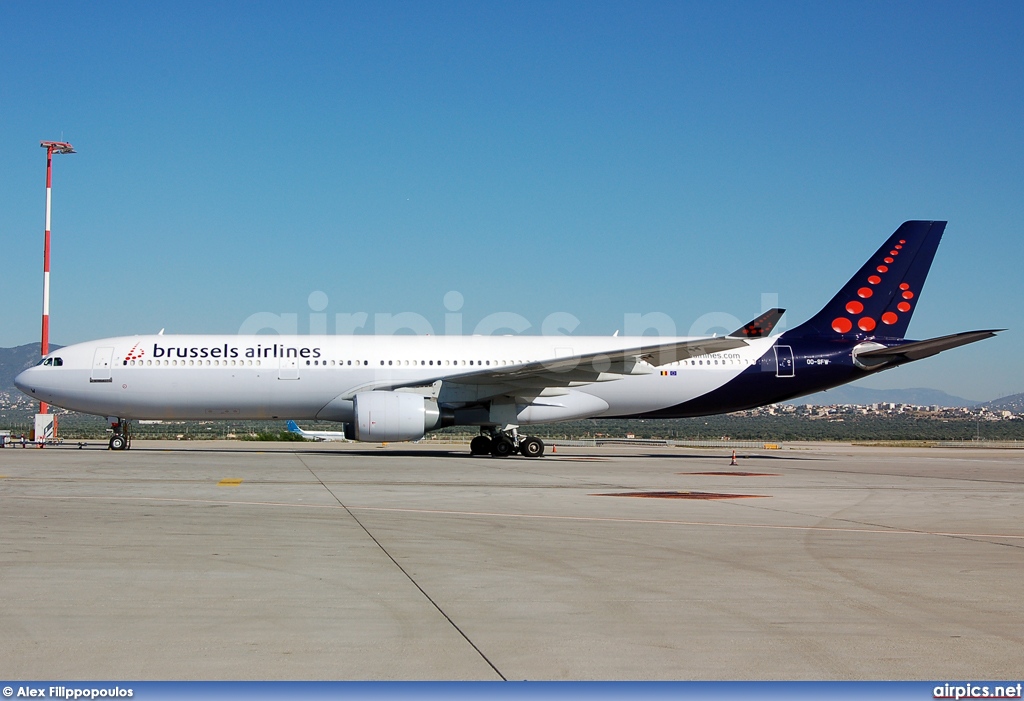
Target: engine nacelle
x=394, y=416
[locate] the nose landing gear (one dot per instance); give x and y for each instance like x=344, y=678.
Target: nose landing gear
x=122, y=438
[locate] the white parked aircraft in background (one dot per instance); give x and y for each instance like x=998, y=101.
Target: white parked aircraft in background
x=317, y=435
x=397, y=388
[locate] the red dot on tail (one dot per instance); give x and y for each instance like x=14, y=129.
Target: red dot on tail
x=903, y=240
x=874, y=279
x=889, y=318
x=894, y=253
x=854, y=307
x=904, y=286
x=882, y=268
x=889, y=259
x=897, y=247
x=908, y=295
x=842, y=325
x=903, y=306
x=864, y=292
x=866, y=323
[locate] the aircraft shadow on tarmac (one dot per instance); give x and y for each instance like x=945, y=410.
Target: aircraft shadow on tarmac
x=460, y=452
x=725, y=456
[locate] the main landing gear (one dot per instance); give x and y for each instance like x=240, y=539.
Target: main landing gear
x=501, y=444
x=122, y=438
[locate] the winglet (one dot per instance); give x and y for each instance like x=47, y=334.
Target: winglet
x=761, y=326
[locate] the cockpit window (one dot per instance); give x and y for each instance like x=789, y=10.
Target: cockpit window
x=54, y=362
x=57, y=362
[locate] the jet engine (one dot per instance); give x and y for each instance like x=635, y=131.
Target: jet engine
x=394, y=416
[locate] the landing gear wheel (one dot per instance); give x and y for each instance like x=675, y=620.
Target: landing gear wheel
x=481, y=445
x=502, y=448
x=531, y=447
x=118, y=442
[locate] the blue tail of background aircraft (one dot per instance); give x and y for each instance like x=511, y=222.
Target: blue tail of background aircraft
x=879, y=300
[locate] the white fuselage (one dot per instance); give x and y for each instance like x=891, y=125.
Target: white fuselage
x=297, y=377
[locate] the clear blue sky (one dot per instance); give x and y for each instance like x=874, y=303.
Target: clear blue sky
x=598, y=159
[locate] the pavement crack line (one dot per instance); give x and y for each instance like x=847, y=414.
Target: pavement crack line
x=403, y=571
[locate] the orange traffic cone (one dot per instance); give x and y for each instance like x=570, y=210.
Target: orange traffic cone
x=733, y=463
x=554, y=448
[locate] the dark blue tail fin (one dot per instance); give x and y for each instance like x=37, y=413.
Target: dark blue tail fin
x=879, y=300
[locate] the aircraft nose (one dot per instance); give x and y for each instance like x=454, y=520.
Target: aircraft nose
x=23, y=381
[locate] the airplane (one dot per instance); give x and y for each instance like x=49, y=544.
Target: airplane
x=317, y=435
x=398, y=388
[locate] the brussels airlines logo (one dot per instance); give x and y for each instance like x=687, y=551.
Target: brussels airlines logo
x=134, y=353
x=274, y=350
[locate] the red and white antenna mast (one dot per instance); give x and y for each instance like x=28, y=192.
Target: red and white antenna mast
x=51, y=147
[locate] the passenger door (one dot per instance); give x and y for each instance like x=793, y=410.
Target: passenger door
x=101, y=365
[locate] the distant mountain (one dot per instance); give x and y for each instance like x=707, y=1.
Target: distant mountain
x=14, y=360
x=1014, y=402
x=850, y=394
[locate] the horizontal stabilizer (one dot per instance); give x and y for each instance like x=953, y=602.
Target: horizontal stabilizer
x=761, y=326
x=917, y=350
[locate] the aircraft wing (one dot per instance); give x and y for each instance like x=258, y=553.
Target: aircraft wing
x=590, y=367
x=561, y=372
x=916, y=350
